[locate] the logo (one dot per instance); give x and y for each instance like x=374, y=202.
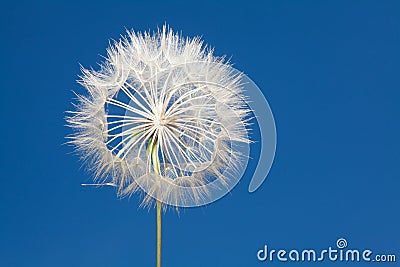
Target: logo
x=340, y=253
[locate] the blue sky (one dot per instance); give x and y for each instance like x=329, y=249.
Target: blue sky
x=330, y=71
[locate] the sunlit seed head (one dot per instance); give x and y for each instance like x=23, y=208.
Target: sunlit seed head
x=163, y=96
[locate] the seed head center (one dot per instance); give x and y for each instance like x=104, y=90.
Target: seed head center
x=160, y=121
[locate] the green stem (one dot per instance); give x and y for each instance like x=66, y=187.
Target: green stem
x=156, y=165
x=158, y=256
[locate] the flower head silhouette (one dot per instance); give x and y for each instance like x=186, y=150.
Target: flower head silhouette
x=162, y=114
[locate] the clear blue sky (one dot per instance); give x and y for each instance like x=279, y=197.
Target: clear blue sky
x=330, y=71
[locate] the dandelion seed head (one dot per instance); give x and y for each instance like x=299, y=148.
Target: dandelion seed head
x=161, y=96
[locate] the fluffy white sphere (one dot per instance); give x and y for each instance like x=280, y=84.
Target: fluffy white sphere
x=162, y=115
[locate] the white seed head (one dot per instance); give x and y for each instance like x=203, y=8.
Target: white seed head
x=162, y=115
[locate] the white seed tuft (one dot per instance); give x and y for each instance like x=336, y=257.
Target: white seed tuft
x=165, y=95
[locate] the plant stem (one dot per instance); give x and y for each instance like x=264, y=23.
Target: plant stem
x=156, y=165
x=158, y=256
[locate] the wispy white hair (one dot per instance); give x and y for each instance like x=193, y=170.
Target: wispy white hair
x=163, y=92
